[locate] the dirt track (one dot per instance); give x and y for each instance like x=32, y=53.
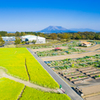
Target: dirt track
x=97, y=97
x=27, y=83
x=93, y=48
x=69, y=56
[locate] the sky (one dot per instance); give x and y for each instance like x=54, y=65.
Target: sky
x=35, y=15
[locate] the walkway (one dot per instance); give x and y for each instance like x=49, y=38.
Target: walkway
x=60, y=81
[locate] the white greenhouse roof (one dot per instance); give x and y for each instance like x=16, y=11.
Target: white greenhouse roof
x=32, y=36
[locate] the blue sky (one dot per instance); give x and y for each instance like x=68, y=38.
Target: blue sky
x=34, y=15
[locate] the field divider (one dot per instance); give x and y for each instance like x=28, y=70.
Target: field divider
x=27, y=70
x=21, y=93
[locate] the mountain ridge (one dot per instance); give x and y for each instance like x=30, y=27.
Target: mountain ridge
x=58, y=29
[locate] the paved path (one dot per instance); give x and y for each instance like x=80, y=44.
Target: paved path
x=60, y=81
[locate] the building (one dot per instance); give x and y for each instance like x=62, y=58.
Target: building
x=7, y=39
x=30, y=38
x=86, y=44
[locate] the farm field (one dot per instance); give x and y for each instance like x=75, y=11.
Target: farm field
x=10, y=90
x=45, y=49
x=53, y=52
x=70, y=56
x=79, y=70
x=87, y=51
x=86, y=61
x=66, y=48
x=13, y=60
x=33, y=94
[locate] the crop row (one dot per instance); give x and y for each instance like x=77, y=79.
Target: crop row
x=61, y=52
x=79, y=62
x=69, y=44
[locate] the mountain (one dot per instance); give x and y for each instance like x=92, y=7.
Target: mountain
x=55, y=29
x=83, y=30
x=59, y=29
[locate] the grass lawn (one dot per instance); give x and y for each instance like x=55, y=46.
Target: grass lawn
x=33, y=94
x=9, y=89
x=13, y=59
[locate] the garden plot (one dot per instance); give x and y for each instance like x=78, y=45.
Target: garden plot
x=56, y=44
x=54, y=52
x=70, y=56
x=80, y=76
x=45, y=49
x=87, y=61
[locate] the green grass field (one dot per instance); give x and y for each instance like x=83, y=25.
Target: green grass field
x=10, y=90
x=33, y=94
x=13, y=59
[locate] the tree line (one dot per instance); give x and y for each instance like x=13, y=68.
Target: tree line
x=78, y=35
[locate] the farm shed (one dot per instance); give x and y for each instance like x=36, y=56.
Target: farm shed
x=38, y=39
x=86, y=44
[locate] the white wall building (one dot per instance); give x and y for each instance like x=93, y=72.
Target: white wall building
x=6, y=38
x=32, y=37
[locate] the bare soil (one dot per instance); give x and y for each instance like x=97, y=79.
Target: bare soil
x=69, y=56
x=91, y=89
x=97, y=97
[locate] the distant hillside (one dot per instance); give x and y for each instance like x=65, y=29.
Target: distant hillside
x=59, y=29
x=84, y=30
x=55, y=29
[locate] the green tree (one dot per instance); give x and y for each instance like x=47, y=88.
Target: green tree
x=18, y=33
x=1, y=41
x=53, y=36
x=3, y=33
x=34, y=41
x=66, y=36
x=22, y=33
x=17, y=41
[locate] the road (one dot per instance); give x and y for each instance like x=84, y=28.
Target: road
x=60, y=81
